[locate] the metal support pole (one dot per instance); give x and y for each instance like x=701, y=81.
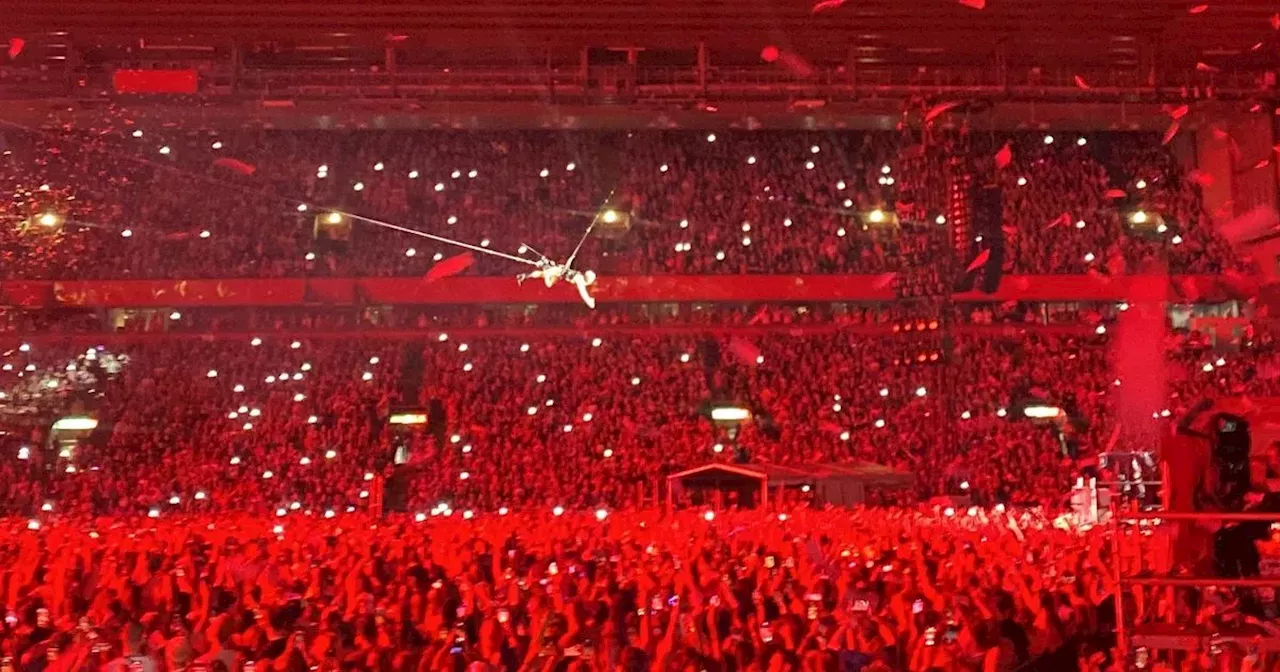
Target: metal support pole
x=702, y=66
x=1122, y=631
x=237, y=63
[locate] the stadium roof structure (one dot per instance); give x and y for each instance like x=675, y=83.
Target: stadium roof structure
x=1084, y=33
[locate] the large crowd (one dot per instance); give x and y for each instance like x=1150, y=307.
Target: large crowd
x=604, y=590
x=134, y=202
x=245, y=502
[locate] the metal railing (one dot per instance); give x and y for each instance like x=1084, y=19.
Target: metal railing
x=723, y=82
x=1119, y=518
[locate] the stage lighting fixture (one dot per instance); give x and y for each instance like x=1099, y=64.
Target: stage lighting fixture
x=879, y=217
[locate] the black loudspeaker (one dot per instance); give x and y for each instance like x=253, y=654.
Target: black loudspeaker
x=437, y=420
x=1231, y=445
x=988, y=222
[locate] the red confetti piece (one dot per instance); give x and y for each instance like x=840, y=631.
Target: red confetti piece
x=1198, y=9
x=827, y=4
x=1205, y=67
x=1218, y=133
x=1249, y=226
x=884, y=280
x=1238, y=282
x=450, y=267
x=1005, y=156
x=1081, y=83
x=1201, y=178
x=1250, y=235
x=769, y=54
x=1116, y=263
x=974, y=4
x=1115, y=193
x=1276, y=148
x=978, y=261
x=1180, y=111
x=236, y=165
x=1169, y=133
x=16, y=45
x=939, y=109
x=744, y=350
x=1262, y=164
x=1275, y=21
x=1063, y=219
x=796, y=64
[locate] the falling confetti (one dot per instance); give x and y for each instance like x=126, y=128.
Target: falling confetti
x=978, y=261
x=796, y=64
x=1275, y=21
x=1250, y=234
x=1262, y=164
x=827, y=4
x=884, y=280
x=1201, y=178
x=974, y=4
x=1081, y=83
x=1169, y=133
x=769, y=54
x=1063, y=219
x=744, y=350
x=1115, y=263
x=1250, y=226
x=16, y=45
x=1205, y=67
x=1180, y=111
x=940, y=109
x=1198, y=9
x=236, y=165
x=1115, y=193
x=1005, y=156
x=450, y=267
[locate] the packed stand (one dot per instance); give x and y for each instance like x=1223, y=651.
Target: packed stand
x=257, y=426
x=156, y=204
x=574, y=420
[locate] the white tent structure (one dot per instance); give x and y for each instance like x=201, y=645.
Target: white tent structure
x=843, y=484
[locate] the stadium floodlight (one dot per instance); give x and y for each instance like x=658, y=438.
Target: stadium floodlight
x=408, y=419
x=75, y=423
x=730, y=414
x=1042, y=412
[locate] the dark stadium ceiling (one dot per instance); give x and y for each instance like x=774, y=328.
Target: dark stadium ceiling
x=1063, y=33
